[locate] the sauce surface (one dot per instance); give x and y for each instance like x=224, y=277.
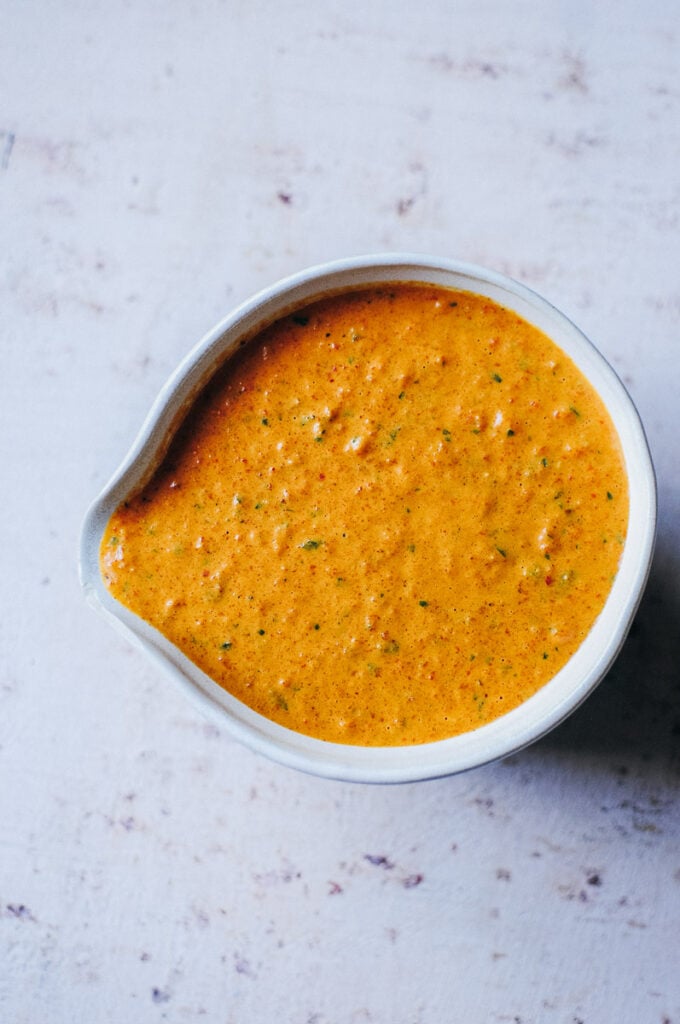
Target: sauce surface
x=390, y=518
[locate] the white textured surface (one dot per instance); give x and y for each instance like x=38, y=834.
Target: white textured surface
x=158, y=163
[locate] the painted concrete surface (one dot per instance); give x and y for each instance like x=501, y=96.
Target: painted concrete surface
x=159, y=162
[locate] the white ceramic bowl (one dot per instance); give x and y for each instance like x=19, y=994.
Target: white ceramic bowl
x=505, y=735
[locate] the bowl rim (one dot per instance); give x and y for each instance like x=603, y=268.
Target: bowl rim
x=500, y=738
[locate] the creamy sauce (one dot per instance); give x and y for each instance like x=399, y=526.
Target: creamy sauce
x=390, y=518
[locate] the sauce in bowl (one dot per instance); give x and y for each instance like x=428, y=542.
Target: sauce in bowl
x=390, y=518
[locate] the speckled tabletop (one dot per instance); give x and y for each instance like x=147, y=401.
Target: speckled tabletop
x=159, y=162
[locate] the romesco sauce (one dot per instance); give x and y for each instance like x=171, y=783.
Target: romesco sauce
x=390, y=518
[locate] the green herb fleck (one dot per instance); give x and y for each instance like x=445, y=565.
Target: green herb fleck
x=264, y=421
x=502, y=552
x=510, y=433
x=574, y=410
x=610, y=496
x=317, y=626
x=402, y=394
x=226, y=646
x=497, y=377
x=311, y=545
x=260, y=632
x=423, y=604
x=113, y=541
x=544, y=462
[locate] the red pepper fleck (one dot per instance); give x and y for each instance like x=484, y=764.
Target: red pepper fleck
x=548, y=581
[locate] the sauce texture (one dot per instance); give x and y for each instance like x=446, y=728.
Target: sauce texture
x=390, y=518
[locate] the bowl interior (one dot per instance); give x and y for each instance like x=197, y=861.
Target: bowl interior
x=536, y=716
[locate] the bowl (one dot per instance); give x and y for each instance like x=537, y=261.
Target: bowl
x=490, y=742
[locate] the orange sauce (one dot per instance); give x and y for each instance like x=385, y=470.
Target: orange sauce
x=390, y=518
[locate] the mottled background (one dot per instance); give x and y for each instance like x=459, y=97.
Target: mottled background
x=159, y=162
